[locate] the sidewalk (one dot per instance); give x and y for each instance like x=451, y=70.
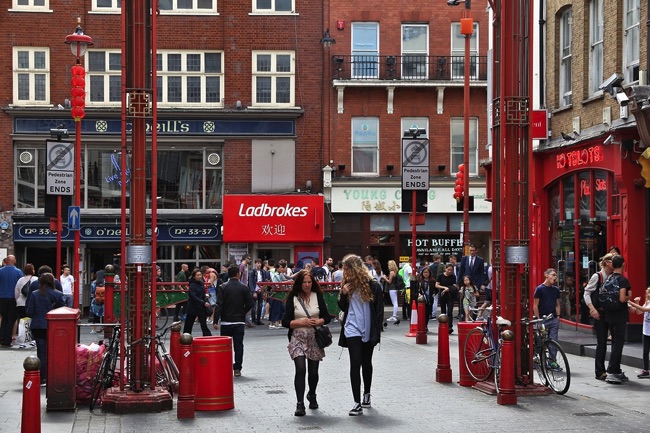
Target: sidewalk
x=405, y=395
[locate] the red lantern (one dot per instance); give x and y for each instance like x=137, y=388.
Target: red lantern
x=459, y=189
x=78, y=92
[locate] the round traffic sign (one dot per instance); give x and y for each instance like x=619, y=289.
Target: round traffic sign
x=60, y=157
x=416, y=153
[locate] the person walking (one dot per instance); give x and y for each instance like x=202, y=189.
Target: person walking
x=305, y=310
x=40, y=302
x=616, y=320
x=9, y=276
x=427, y=287
x=448, y=292
x=181, y=277
x=390, y=281
x=67, y=285
x=546, y=300
x=21, y=299
x=361, y=300
x=197, y=304
x=474, y=266
x=470, y=295
x=645, y=310
x=234, y=300
x=590, y=297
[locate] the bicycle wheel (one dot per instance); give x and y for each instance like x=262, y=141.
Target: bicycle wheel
x=556, y=367
x=172, y=371
x=478, y=353
x=538, y=372
x=99, y=379
x=162, y=317
x=162, y=374
x=496, y=366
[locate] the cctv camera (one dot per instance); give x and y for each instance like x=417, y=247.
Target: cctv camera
x=614, y=81
x=622, y=99
x=609, y=140
x=453, y=2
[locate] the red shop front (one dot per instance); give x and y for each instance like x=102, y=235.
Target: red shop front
x=587, y=198
x=292, y=221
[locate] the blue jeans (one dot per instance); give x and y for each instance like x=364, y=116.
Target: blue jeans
x=237, y=334
x=553, y=326
x=434, y=308
x=67, y=300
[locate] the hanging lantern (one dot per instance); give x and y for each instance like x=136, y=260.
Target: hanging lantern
x=78, y=93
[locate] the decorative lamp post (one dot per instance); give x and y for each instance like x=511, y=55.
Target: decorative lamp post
x=79, y=43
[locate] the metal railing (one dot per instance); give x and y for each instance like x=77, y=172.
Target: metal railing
x=407, y=68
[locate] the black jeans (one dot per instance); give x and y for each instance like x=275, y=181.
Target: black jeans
x=618, y=341
x=256, y=311
x=40, y=336
x=8, y=313
x=446, y=303
x=601, y=328
x=189, y=323
x=646, y=352
x=360, y=361
x=237, y=334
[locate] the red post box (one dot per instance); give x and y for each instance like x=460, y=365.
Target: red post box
x=213, y=378
x=61, y=359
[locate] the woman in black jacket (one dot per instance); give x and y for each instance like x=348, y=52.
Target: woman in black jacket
x=305, y=310
x=197, y=305
x=361, y=300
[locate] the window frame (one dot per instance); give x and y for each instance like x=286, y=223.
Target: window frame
x=456, y=124
x=162, y=74
x=114, y=8
x=415, y=69
x=272, y=10
x=107, y=74
x=274, y=75
x=565, y=58
x=15, y=7
x=596, y=46
x=32, y=72
x=631, y=40
x=365, y=62
x=458, y=53
x=364, y=146
x=194, y=10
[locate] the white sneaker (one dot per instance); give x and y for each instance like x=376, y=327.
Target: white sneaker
x=391, y=319
x=209, y=321
x=92, y=331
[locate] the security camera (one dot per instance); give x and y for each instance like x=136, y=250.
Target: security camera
x=622, y=99
x=609, y=140
x=614, y=81
x=453, y=2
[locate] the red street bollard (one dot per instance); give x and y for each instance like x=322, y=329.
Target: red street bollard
x=443, y=370
x=175, y=344
x=185, y=403
x=421, y=336
x=31, y=418
x=109, y=291
x=507, y=394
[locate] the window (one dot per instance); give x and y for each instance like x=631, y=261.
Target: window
x=365, y=50
x=274, y=78
x=458, y=53
x=365, y=145
x=631, y=41
x=566, y=31
x=457, y=143
x=31, y=76
x=104, y=77
x=187, y=179
x=107, y=5
x=187, y=6
x=596, y=25
x=415, y=50
x=273, y=6
x=190, y=78
x=30, y=5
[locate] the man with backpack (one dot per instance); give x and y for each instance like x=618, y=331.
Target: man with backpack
x=613, y=299
x=596, y=312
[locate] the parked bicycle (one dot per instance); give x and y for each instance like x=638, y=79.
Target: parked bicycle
x=166, y=369
x=105, y=376
x=482, y=351
x=550, y=363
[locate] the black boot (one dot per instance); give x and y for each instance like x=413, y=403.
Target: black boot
x=313, y=404
x=300, y=409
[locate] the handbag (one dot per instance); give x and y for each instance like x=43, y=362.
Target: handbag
x=323, y=333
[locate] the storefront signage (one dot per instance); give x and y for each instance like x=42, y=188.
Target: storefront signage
x=389, y=200
x=273, y=218
x=101, y=233
x=580, y=158
x=539, y=125
x=445, y=245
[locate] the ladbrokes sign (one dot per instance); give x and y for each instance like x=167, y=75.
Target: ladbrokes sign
x=273, y=218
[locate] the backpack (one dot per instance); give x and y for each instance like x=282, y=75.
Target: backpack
x=399, y=282
x=25, y=289
x=100, y=293
x=319, y=273
x=609, y=294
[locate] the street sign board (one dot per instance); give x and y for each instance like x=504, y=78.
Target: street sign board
x=59, y=168
x=415, y=164
x=74, y=217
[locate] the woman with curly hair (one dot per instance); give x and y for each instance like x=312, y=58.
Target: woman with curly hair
x=305, y=310
x=361, y=300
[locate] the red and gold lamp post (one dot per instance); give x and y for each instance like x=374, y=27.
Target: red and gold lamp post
x=79, y=43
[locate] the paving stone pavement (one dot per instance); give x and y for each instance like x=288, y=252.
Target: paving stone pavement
x=405, y=396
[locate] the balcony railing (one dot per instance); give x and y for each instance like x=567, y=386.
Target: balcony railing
x=408, y=68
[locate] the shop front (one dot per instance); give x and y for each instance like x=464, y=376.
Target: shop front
x=277, y=227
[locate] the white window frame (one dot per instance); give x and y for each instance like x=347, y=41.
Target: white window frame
x=30, y=7
x=271, y=10
x=413, y=68
x=164, y=74
x=458, y=53
x=631, y=40
x=175, y=10
x=365, y=59
x=32, y=72
x=565, y=57
x=114, y=8
x=274, y=74
x=456, y=138
x=107, y=74
x=366, y=146
x=596, y=32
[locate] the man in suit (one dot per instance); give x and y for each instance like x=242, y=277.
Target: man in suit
x=259, y=274
x=474, y=266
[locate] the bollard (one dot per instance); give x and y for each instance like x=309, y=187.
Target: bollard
x=175, y=343
x=443, y=370
x=507, y=394
x=413, y=329
x=109, y=296
x=185, y=403
x=421, y=335
x=31, y=417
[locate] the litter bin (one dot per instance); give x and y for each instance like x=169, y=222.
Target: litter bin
x=62, y=359
x=466, y=379
x=213, y=374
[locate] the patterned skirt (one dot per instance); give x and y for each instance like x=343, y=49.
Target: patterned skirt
x=303, y=343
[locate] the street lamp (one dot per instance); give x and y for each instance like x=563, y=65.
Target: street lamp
x=79, y=43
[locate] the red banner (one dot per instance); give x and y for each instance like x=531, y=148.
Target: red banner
x=273, y=218
x=539, y=124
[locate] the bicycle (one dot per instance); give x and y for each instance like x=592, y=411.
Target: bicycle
x=550, y=370
x=482, y=352
x=105, y=376
x=166, y=370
